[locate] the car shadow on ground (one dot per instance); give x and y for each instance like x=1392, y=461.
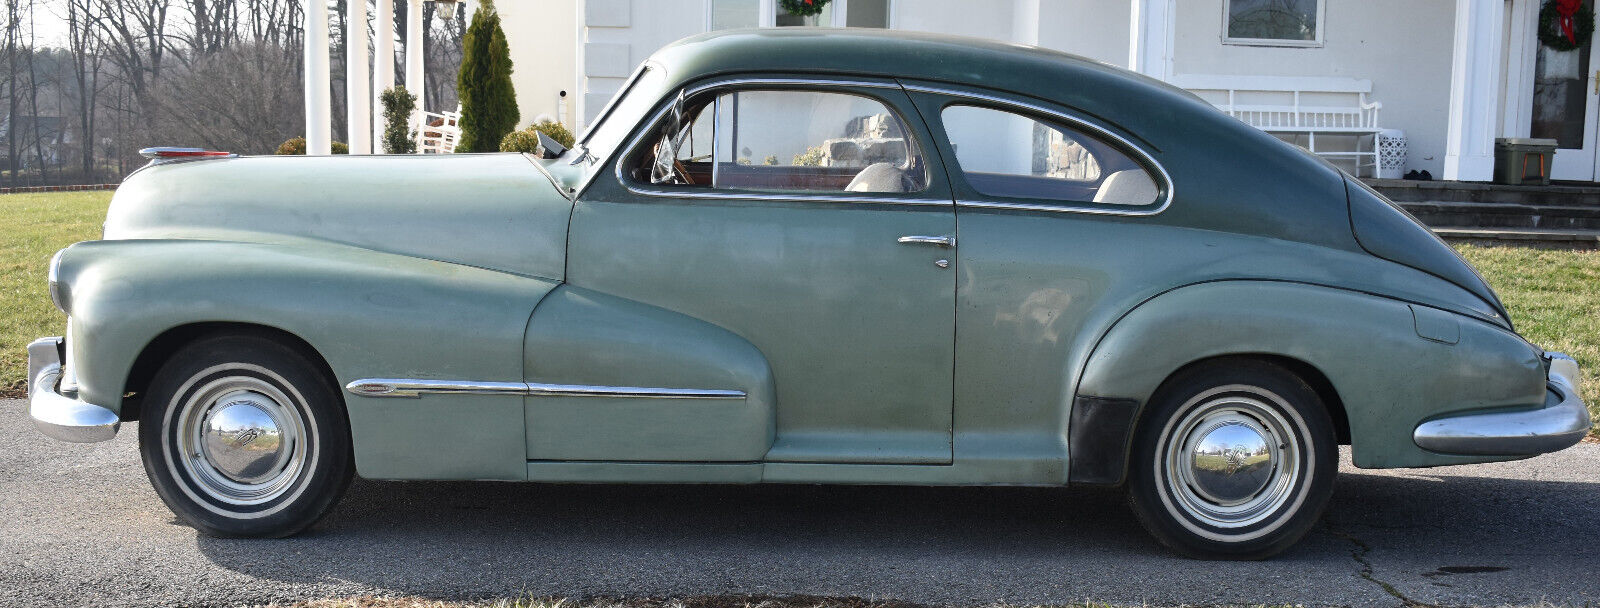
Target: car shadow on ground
x=475, y=538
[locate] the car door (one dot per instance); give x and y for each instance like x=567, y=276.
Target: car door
x=1055, y=213
x=811, y=219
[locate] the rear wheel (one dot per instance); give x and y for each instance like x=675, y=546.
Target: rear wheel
x=1235, y=459
x=244, y=436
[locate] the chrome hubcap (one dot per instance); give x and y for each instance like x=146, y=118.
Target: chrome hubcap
x=1232, y=460
x=241, y=441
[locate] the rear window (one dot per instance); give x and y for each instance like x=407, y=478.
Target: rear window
x=1006, y=154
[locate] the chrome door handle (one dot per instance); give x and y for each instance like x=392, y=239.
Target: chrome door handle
x=941, y=241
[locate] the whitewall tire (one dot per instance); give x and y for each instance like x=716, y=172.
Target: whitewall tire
x=1233, y=459
x=242, y=435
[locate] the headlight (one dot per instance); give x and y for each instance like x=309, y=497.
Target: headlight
x=56, y=294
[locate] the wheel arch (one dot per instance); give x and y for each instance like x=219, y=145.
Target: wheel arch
x=161, y=348
x=1360, y=353
x=1310, y=374
x=1109, y=435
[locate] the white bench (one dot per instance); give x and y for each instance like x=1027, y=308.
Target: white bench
x=1298, y=105
x=438, y=138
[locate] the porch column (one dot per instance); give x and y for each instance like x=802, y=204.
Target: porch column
x=383, y=77
x=319, y=99
x=414, y=52
x=358, y=115
x=1025, y=22
x=1150, y=37
x=1474, y=90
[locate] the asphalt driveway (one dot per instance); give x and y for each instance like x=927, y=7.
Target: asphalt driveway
x=79, y=525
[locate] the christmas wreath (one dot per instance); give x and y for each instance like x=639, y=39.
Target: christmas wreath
x=807, y=8
x=1565, y=25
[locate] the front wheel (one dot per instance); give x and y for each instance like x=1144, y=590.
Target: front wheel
x=1235, y=459
x=244, y=436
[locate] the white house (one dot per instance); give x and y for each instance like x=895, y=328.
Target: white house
x=1453, y=75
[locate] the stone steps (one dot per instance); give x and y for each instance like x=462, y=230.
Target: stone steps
x=1525, y=237
x=1562, y=195
x=1446, y=214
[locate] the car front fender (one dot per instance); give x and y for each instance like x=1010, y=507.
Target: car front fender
x=367, y=314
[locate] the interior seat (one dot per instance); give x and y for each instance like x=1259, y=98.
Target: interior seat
x=879, y=177
x=1129, y=187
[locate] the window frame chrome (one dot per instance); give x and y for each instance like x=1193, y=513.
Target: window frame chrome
x=641, y=137
x=611, y=105
x=1140, y=154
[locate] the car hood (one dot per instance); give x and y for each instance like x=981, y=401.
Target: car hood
x=495, y=211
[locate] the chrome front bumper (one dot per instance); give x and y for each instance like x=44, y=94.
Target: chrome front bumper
x=57, y=415
x=1562, y=422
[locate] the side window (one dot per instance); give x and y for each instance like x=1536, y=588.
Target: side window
x=1007, y=154
x=784, y=140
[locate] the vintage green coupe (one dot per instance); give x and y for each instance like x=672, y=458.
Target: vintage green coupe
x=802, y=257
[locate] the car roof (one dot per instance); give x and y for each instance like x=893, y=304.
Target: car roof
x=1028, y=70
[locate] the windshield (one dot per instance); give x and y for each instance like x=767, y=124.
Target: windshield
x=624, y=111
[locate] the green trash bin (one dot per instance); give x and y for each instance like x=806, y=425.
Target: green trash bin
x=1522, y=161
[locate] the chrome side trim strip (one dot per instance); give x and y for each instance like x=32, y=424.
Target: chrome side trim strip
x=1148, y=160
x=578, y=390
x=396, y=387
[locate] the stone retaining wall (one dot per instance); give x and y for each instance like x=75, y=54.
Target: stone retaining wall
x=72, y=188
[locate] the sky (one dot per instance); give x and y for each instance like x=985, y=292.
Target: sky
x=50, y=21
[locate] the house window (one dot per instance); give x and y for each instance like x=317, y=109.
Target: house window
x=840, y=13
x=734, y=14
x=1273, y=22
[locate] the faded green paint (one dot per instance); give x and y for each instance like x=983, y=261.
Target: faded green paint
x=368, y=314
x=492, y=211
x=585, y=337
x=862, y=360
x=1388, y=377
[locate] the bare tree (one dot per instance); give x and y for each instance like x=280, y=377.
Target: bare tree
x=223, y=74
x=14, y=10
x=441, y=43
x=218, y=101
x=213, y=26
x=136, y=40
x=85, y=47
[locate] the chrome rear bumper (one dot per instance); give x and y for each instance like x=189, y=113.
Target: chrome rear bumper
x=57, y=415
x=1562, y=422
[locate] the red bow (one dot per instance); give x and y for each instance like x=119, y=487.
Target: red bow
x=1566, y=9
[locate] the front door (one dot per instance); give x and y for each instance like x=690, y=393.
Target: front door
x=1565, y=108
x=808, y=219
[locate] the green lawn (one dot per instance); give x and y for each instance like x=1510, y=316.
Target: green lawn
x=36, y=225
x=1554, y=296
x=1554, y=300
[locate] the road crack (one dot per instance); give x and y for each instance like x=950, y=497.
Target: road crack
x=1359, y=553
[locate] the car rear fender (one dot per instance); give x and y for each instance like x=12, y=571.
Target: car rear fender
x=1392, y=364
